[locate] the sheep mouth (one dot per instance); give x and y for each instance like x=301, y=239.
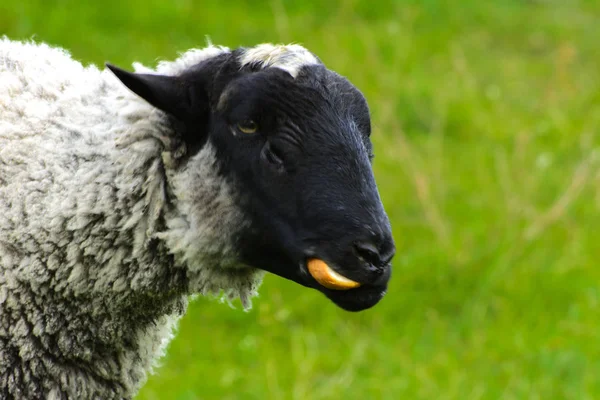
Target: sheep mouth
x=327, y=277
x=348, y=294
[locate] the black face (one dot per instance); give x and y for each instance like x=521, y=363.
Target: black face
x=298, y=150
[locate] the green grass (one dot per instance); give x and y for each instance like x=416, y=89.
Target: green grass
x=487, y=136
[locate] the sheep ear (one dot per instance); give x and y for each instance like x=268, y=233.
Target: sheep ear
x=168, y=93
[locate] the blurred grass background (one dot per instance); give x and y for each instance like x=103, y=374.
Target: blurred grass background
x=486, y=126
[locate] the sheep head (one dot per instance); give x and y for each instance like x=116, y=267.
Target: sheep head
x=292, y=138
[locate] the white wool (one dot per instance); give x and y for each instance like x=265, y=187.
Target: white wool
x=96, y=261
x=184, y=61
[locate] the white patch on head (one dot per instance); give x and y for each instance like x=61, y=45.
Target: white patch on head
x=291, y=57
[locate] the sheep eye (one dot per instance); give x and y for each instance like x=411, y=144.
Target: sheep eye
x=247, y=127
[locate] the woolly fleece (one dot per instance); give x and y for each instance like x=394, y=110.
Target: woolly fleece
x=103, y=235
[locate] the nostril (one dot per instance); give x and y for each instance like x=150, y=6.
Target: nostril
x=387, y=257
x=368, y=252
x=387, y=251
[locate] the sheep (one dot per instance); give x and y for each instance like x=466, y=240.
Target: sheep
x=125, y=194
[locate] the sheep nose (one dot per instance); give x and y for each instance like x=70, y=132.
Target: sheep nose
x=375, y=255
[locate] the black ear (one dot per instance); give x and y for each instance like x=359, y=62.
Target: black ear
x=168, y=93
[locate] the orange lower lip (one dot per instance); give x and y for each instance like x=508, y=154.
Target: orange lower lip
x=327, y=277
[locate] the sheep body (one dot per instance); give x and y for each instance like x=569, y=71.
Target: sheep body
x=92, y=254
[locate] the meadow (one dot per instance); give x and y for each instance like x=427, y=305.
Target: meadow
x=486, y=126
